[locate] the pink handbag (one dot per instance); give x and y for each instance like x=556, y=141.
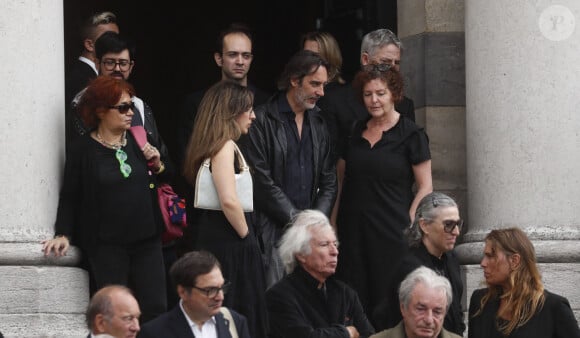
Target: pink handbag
x=172, y=206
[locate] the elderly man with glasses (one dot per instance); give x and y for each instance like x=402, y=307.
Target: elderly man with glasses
x=431, y=237
x=201, y=287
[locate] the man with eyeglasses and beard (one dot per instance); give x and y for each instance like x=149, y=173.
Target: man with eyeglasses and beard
x=201, y=288
x=431, y=237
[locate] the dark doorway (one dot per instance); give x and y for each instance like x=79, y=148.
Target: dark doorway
x=175, y=39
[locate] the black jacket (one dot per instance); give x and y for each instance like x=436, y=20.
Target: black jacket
x=388, y=314
x=265, y=148
x=554, y=320
x=297, y=308
x=78, y=208
x=173, y=324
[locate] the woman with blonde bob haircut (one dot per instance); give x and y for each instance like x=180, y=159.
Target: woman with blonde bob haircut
x=326, y=45
x=515, y=303
x=224, y=114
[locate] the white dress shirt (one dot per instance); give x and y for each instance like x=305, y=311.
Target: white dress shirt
x=207, y=330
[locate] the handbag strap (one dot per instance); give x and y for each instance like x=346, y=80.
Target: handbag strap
x=238, y=153
x=241, y=159
x=231, y=324
x=140, y=135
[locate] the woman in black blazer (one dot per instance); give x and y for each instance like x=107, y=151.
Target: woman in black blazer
x=515, y=303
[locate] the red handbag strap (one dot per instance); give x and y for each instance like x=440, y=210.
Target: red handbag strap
x=140, y=135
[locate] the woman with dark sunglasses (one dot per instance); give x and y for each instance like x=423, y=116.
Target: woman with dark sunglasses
x=431, y=237
x=108, y=204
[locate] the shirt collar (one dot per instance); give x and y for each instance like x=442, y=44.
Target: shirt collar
x=90, y=63
x=189, y=321
x=283, y=105
x=308, y=279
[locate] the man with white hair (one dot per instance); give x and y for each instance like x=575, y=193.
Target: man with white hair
x=424, y=298
x=308, y=301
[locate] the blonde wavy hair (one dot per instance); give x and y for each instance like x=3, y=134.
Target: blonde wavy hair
x=526, y=294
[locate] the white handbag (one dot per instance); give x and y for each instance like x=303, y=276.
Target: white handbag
x=206, y=196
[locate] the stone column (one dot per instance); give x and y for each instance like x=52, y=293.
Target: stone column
x=523, y=139
x=39, y=297
x=433, y=64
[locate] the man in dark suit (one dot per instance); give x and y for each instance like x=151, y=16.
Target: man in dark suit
x=85, y=68
x=113, y=312
x=201, y=287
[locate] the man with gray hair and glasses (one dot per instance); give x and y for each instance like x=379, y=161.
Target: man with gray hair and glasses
x=383, y=47
x=342, y=107
x=424, y=297
x=309, y=302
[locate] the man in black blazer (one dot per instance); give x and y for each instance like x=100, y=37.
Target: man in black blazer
x=233, y=55
x=201, y=287
x=113, y=312
x=84, y=68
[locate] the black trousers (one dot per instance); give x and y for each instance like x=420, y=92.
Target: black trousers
x=138, y=266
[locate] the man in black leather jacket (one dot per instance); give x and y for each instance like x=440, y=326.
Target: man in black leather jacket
x=288, y=148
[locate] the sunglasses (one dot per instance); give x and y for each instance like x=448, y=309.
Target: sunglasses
x=377, y=67
x=124, y=108
x=449, y=225
x=125, y=168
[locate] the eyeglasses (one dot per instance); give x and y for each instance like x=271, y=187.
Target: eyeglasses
x=213, y=291
x=449, y=225
x=124, y=108
x=125, y=168
x=110, y=64
x=377, y=67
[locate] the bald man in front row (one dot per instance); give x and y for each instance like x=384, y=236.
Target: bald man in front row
x=113, y=312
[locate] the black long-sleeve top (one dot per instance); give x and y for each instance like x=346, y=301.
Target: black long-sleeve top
x=297, y=307
x=97, y=203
